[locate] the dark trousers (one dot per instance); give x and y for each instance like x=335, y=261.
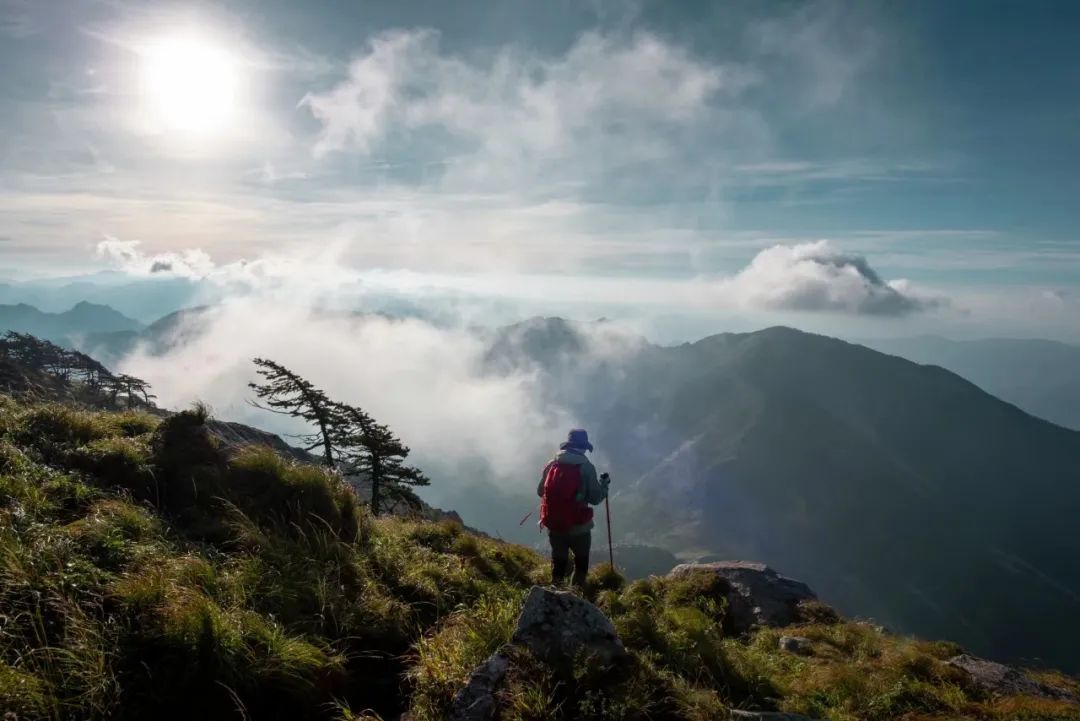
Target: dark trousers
x=561, y=546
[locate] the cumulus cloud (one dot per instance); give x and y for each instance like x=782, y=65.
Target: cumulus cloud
x=127, y=255
x=312, y=275
x=820, y=277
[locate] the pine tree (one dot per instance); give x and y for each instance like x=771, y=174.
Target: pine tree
x=71, y=365
x=370, y=448
x=92, y=373
x=288, y=394
x=133, y=388
x=33, y=352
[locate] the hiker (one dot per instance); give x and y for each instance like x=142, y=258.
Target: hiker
x=567, y=488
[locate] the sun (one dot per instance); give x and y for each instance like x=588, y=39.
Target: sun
x=189, y=84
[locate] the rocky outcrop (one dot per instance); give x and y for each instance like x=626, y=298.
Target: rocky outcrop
x=1001, y=680
x=795, y=644
x=557, y=625
x=758, y=595
x=554, y=626
x=476, y=702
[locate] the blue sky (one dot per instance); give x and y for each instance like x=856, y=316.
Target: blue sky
x=860, y=168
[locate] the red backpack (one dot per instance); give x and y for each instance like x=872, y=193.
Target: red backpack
x=560, y=510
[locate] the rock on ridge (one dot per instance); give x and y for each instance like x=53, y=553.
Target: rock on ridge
x=476, y=702
x=999, y=679
x=758, y=595
x=555, y=626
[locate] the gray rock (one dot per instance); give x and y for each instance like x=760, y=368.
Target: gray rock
x=556, y=625
x=795, y=644
x=767, y=716
x=1002, y=680
x=875, y=627
x=759, y=596
x=476, y=702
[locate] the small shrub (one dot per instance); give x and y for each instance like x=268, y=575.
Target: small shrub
x=132, y=424
x=12, y=460
x=189, y=466
x=703, y=589
x=118, y=462
x=466, y=545
x=25, y=695
x=114, y=532
x=438, y=536
x=272, y=490
x=604, y=577
x=908, y=696
x=814, y=611
x=52, y=425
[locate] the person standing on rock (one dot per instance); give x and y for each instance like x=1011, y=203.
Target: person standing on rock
x=568, y=487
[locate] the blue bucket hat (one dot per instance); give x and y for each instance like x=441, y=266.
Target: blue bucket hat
x=577, y=439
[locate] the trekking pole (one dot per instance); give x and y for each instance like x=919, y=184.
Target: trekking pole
x=607, y=512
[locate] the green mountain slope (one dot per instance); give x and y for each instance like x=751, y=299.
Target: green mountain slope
x=1042, y=377
x=170, y=331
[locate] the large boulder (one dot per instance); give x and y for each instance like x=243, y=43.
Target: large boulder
x=758, y=595
x=557, y=625
x=1001, y=680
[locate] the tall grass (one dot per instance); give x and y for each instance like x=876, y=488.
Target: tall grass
x=144, y=573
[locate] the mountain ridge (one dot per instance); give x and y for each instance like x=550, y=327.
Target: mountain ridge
x=788, y=445
x=1041, y=376
x=66, y=327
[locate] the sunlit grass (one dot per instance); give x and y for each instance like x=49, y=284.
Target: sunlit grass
x=142, y=569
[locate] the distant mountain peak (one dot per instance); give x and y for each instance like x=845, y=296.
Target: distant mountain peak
x=81, y=319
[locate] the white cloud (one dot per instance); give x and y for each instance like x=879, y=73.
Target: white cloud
x=425, y=382
x=609, y=98
x=126, y=255
x=819, y=277
x=808, y=277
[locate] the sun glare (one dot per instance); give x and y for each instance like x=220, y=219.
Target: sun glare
x=190, y=85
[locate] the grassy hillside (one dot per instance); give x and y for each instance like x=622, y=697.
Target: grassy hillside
x=146, y=573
